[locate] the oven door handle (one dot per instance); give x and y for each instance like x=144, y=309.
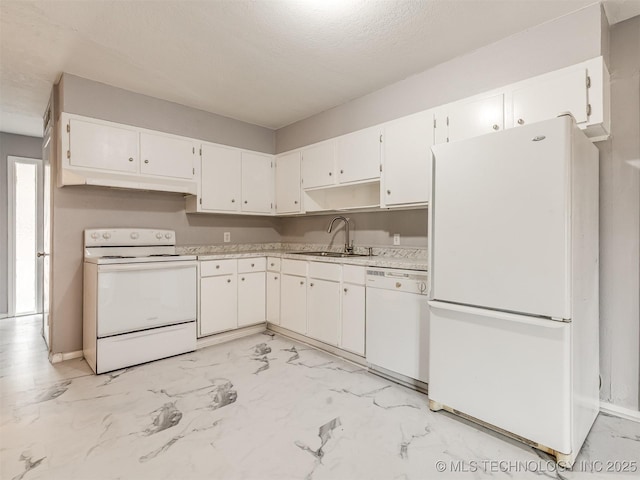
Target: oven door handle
x=130, y=267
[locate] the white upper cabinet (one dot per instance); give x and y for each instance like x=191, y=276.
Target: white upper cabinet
x=406, y=149
x=167, y=156
x=319, y=164
x=220, y=178
x=548, y=99
x=101, y=146
x=288, y=183
x=471, y=119
x=257, y=183
x=358, y=156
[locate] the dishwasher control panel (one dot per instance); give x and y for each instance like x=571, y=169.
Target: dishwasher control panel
x=409, y=281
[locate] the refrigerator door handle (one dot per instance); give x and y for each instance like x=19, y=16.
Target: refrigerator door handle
x=511, y=317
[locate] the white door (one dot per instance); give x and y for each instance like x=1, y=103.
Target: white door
x=475, y=118
x=358, y=156
x=257, y=183
x=273, y=298
x=139, y=296
x=293, y=310
x=318, y=165
x=288, y=183
x=167, y=156
x=353, y=318
x=218, y=304
x=548, y=99
x=508, y=370
x=251, y=298
x=25, y=220
x=323, y=310
x=220, y=172
x=500, y=220
x=407, y=151
x=104, y=147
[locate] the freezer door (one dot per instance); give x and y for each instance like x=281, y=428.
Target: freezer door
x=510, y=371
x=500, y=217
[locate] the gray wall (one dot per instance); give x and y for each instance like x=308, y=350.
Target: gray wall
x=78, y=207
x=562, y=42
x=19, y=146
x=98, y=100
x=620, y=223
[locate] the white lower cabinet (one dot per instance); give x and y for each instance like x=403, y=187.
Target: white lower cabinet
x=293, y=310
x=323, y=310
x=353, y=318
x=218, y=304
x=251, y=298
x=273, y=297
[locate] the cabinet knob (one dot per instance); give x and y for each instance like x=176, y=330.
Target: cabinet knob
x=233, y=200
x=131, y=159
x=146, y=161
x=495, y=126
x=253, y=264
x=295, y=201
x=275, y=278
x=520, y=121
x=341, y=171
x=311, y=284
x=272, y=264
x=228, y=280
x=217, y=266
x=242, y=279
x=245, y=201
x=330, y=174
x=388, y=192
x=301, y=283
x=346, y=290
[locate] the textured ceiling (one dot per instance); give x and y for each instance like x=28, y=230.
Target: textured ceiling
x=269, y=63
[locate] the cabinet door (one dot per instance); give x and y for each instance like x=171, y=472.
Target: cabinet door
x=273, y=298
x=358, y=156
x=293, y=311
x=220, y=187
x=318, y=165
x=548, y=99
x=407, y=150
x=251, y=298
x=257, y=183
x=353, y=318
x=218, y=304
x=167, y=156
x=476, y=118
x=93, y=145
x=323, y=310
x=288, y=183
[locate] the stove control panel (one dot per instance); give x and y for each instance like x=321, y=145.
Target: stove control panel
x=125, y=237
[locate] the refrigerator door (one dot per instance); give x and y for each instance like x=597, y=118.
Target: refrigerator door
x=500, y=220
x=510, y=371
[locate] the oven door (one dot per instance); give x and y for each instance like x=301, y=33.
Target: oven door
x=138, y=296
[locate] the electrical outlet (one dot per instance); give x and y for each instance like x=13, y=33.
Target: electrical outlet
x=396, y=239
x=227, y=237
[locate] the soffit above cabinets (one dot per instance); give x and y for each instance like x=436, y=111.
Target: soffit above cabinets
x=266, y=63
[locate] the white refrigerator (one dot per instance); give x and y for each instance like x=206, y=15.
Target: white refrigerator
x=513, y=245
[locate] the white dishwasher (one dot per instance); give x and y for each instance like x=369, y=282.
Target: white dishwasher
x=398, y=323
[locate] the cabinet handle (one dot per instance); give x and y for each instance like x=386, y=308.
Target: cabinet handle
x=245, y=201
x=242, y=279
x=217, y=266
x=253, y=264
x=272, y=264
x=520, y=121
x=301, y=283
x=228, y=280
x=388, y=192
x=311, y=284
x=495, y=126
x=131, y=159
x=233, y=200
x=330, y=174
x=341, y=171
x=275, y=278
x=146, y=161
x=295, y=201
x=346, y=290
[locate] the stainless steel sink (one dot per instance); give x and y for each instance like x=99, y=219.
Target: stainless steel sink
x=330, y=254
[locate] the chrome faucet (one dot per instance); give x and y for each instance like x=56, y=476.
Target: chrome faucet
x=348, y=246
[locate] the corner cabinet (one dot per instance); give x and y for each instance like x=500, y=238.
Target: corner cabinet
x=97, y=152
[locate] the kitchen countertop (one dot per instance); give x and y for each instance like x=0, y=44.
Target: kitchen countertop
x=386, y=257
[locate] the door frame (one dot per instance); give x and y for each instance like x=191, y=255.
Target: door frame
x=11, y=254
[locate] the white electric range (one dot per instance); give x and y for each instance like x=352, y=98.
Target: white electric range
x=140, y=297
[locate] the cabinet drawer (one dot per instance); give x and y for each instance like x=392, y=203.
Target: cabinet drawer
x=209, y=268
x=325, y=271
x=273, y=264
x=353, y=274
x=248, y=265
x=294, y=267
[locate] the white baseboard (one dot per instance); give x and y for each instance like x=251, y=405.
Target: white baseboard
x=622, y=412
x=227, y=336
x=61, y=357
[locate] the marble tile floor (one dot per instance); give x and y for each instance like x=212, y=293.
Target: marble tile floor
x=262, y=407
